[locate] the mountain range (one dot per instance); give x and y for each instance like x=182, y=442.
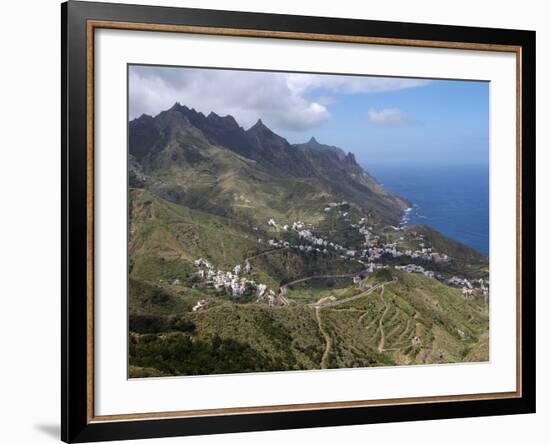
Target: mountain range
x=208, y=158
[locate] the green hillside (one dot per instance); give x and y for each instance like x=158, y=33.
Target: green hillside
x=412, y=321
x=249, y=254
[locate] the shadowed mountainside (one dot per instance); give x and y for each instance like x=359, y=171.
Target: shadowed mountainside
x=210, y=162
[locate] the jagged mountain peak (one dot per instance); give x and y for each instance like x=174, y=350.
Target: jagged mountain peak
x=182, y=137
x=259, y=126
x=313, y=141
x=144, y=117
x=177, y=106
x=350, y=158
x=227, y=120
x=313, y=144
x=190, y=113
x=266, y=138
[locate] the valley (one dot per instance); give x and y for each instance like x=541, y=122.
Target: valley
x=249, y=254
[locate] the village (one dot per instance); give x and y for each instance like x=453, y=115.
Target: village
x=369, y=250
x=371, y=254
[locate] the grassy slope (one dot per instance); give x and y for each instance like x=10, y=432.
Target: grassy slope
x=446, y=326
x=221, y=182
x=162, y=229
x=166, y=237
x=251, y=337
x=423, y=321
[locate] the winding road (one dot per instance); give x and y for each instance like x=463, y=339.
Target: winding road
x=352, y=298
x=281, y=295
x=282, y=288
x=381, y=322
x=271, y=250
x=328, y=339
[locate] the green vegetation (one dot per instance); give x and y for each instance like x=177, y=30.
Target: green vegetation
x=149, y=299
x=245, y=337
x=313, y=290
x=178, y=354
x=204, y=188
x=422, y=321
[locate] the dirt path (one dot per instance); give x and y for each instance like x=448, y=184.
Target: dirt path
x=263, y=253
x=327, y=337
x=381, y=322
x=282, y=288
x=356, y=310
x=321, y=276
x=328, y=340
x=281, y=295
x=363, y=316
x=402, y=335
x=352, y=298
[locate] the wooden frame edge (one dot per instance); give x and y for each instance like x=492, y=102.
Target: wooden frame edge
x=91, y=25
x=90, y=206
x=284, y=408
x=337, y=38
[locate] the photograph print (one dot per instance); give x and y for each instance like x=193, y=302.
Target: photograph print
x=284, y=221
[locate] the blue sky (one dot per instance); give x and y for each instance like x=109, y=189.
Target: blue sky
x=381, y=120
x=442, y=121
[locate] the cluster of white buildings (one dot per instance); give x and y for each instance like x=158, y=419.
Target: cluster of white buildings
x=309, y=248
x=314, y=243
x=320, y=245
x=413, y=268
x=460, y=282
x=484, y=285
x=468, y=287
x=371, y=253
x=308, y=236
x=278, y=243
x=272, y=223
x=237, y=284
x=375, y=253
x=335, y=205
x=232, y=281
x=265, y=295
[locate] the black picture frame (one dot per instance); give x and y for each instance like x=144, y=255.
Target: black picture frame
x=76, y=424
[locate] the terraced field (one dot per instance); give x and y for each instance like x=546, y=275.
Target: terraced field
x=429, y=324
x=409, y=320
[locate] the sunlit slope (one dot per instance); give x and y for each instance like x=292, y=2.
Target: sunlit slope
x=413, y=320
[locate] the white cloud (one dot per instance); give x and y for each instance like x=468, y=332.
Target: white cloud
x=351, y=84
x=282, y=100
x=388, y=117
x=246, y=95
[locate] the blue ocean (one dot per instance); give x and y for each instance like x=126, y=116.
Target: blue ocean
x=452, y=199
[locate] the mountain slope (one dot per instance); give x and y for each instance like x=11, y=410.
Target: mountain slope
x=247, y=253
x=201, y=161
x=420, y=322
x=344, y=176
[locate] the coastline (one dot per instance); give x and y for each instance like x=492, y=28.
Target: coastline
x=453, y=200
